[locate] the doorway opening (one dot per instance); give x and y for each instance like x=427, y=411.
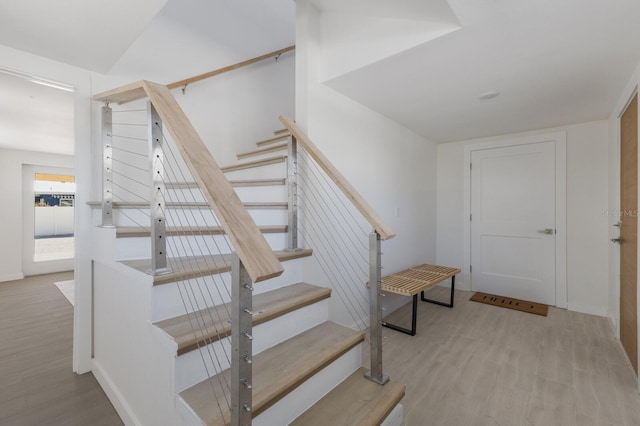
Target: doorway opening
x=54, y=200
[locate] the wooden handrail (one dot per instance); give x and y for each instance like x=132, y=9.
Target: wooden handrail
x=349, y=191
x=249, y=243
x=133, y=92
x=187, y=81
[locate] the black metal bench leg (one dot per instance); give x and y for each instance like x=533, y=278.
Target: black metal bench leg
x=411, y=332
x=435, y=302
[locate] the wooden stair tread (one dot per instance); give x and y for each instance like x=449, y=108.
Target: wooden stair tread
x=278, y=138
x=184, y=268
x=354, y=402
x=137, y=231
x=281, y=131
x=256, y=163
x=261, y=151
x=278, y=370
x=214, y=323
x=193, y=205
x=234, y=183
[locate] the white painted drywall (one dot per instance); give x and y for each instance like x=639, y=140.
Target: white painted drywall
x=11, y=163
x=392, y=167
x=134, y=360
x=81, y=81
x=587, y=200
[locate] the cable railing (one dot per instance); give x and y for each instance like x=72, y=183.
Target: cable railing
x=159, y=173
x=332, y=218
x=149, y=173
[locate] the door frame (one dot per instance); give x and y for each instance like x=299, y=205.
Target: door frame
x=559, y=140
x=614, y=252
x=39, y=68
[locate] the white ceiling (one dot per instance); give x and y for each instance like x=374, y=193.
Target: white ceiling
x=554, y=63
x=89, y=34
x=202, y=35
x=35, y=117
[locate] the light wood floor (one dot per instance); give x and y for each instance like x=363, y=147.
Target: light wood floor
x=37, y=385
x=477, y=364
x=471, y=365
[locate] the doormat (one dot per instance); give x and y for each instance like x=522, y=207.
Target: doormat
x=509, y=303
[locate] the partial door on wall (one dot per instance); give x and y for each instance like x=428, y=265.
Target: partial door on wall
x=629, y=231
x=513, y=225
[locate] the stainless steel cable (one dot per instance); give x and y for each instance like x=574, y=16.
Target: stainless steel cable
x=330, y=184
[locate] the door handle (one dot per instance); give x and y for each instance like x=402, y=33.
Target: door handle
x=616, y=240
x=548, y=231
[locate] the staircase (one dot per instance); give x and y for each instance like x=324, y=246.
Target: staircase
x=303, y=368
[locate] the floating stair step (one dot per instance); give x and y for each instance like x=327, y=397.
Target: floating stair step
x=136, y=231
x=234, y=183
x=278, y=370
x=281, y=131
x=214, y=323
x=257, y=163
x=183, y=268
x=278, y=138
x=354, y=402
x=171, y=205
x=262, y=151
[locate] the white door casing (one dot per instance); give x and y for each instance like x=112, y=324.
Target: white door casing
x=513, y=221
x=558, y=139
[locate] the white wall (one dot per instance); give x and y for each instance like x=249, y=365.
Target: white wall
x=587, y=200
x=230, y=111
x=392, y=167
x=81, y=81
x=11, y=162
x=136, y=367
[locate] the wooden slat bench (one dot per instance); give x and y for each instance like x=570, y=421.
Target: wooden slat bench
x=416, y=280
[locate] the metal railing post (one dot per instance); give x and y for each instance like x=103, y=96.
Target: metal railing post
x=107, y=164
x=292, y=189
x=375, y=310
x=241, y=345
x=157, y=203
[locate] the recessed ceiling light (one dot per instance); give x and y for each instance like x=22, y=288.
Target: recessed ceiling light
x=488, y=95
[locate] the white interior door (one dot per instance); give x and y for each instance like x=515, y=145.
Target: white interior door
x=513, y=238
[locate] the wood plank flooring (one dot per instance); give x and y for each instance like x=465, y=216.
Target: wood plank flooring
x=471, y=365
x=37, y=384
x=477, y=364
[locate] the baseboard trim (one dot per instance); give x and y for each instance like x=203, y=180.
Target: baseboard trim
x=587, y=309
x=113, y=393
x=11, y=277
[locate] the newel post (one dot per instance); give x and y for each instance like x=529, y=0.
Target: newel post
x=375, y=310
x=107, y=164
x=157, y=198
x=241, y=343
x=292, y=190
